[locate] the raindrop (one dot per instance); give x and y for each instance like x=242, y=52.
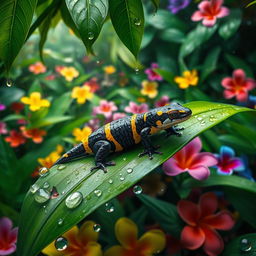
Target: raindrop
x=96, y=227
x=34, y=188
x=68, y=181
x=137, y=22
x=137, y=70
x=137, y=190
x=199, y=118
x=98, y=193
x=212, y=118
x=245, y=245
x=46, y=185
x=109, y=207
x=90, y=35
x=98, y=62
x=9, y=83
x=202, y=123
x=61, y=244
x=42, y=196
x=43, y=172
x=74, y=199
x=110, y=181
x=60, y=222
x=122, y=178
x=61, y=167
x=129, y=170
x=124, y=158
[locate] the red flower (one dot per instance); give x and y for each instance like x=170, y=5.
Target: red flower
x=237, y=85
x=15, y=139
x=93, y=84
x=35, y=134
x=17, y=107
x=201, y=222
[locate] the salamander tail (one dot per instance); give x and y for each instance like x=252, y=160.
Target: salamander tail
x=73, y=154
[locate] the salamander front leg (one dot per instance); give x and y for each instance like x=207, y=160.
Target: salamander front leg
x=149, y=149
x=174, y=131
x=102, y=149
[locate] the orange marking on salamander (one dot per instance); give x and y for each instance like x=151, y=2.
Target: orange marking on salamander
x=110, y=137
x=136, y=136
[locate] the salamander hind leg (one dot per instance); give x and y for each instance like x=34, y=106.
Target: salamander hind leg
x=102, y=149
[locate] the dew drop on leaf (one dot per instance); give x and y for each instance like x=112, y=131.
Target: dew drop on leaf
x=98, y=192
x=74, y=200
x=96, y=227
x=129, y=170
x=137, y=190
x=245, y=245
x=61, y=167
x=42, y=196
x=122, y=178
x=46, y=185
x=109, y=207
x=137, y=22
x=137, y=70
x=60, y=222
x=9, y=83
x=43, y=172
x=110, y=181
x=202, y=123
x=199, y=118
x=61, y=244
x=34, y=188
x=90, y=35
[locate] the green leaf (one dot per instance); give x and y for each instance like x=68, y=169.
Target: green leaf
x=156, y=4
x=172, y=35
x=49, y=120
x=242, y=201
x=89, y=17
x=10, y=95
x=127, y=17
x=231, y=24
x=166, y=75
x=15, y=19
x=241, y=246
x=165, y=213
x=38, y=228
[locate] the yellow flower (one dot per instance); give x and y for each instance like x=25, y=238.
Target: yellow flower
x=81, y=94
x=188, y=78
x=81, y=134
x=35, y=102
x=109, y=70
x=51, y=158
x=69, y=73
x=81, y=242
x=149, y=89
x=126, y=231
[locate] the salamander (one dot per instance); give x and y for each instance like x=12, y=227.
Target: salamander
x=124, y=133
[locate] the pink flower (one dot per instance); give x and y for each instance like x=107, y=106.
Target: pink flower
x=237, y=85
x=152, y=75
x=118, y=115
x=209, y=12
x=58, y=68
x=37, y=68
x=162, y=101
x=189, y=159
x=50, y=77
x=105, y=108
x=8, y=236
x=136, y=109
x=3, y=129
x=2, y=107
x=94, y=124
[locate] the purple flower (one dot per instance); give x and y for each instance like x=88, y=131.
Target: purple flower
x=227, y=162
x=176, y=5
x=2, y=107
x=152, y=75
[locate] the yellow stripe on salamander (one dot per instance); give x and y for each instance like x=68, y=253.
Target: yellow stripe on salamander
x=110, y=137
x=136, y=136
x=86, y=145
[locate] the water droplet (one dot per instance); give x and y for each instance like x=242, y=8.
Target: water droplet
x=122, y=178
x=61, y=167
x=54, y=193
x=137, y=190
x=109, y=207
x=46, y=185
x=199, y=118
x=137, y=70
x=9, y=82
x=202, y=123
x=137, y=22
x=61, y=244
x=68, y=181
x=34, y=188
x=245, y=245
x=74, y=199
x=98, y=62
x=42, y=196
x=96, y=227
x=129, y=170
x=43, y=172
x=110, y=181
x=90, y=35
x=212, y=118
x=88, y=197
x=76, y=172
x=98, y=193
x=124, y=158
x=60, y=222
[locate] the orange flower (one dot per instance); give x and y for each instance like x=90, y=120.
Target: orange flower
x=126, y=231
x=149, y=89
x=37, y=68
x=188, y=78
x=69, y=73
x=109, y=69
x=81, y=242
x=35, y=134
x=15, y=139
x=51, y=158
x=81, y=134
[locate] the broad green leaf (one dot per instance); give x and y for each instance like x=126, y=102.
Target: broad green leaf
x=172, y=35
x=39, y=227
x=166, y=75
x=15, y=19
x=230, y=24
x=89, y=17
x=165, y=213
x=10, y=95
x=127, y=17
x=49, y=120
x=156, y=4
x=244, y=245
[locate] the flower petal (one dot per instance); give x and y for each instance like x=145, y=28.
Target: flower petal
x=9, y=250
x=171, y=167
x=222, y=221
x=197, y=16
x=126, y=232
x=199, y=172
x=228, y=94
x=87, y=233
x=192, y=237
x=239, y=76
x=213, y=244
x=94, y=249
x=226, y=152
x=227, y=82
x=209, y=22
x=205, y=159
x=193, y=147
x=204, y=5
x=208, y=204
x=224, y=11
x=115, y=250
x=242, y=96
x=152, y=241
x=250, y=84
x=188, y=211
